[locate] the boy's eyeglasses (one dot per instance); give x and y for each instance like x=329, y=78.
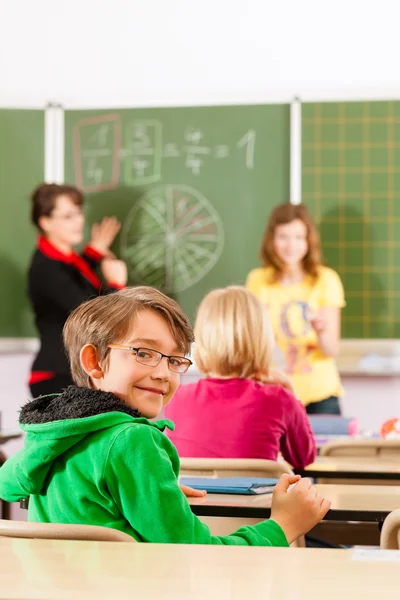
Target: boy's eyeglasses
x=151, y=358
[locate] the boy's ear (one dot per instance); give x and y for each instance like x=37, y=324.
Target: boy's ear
x=90, y=362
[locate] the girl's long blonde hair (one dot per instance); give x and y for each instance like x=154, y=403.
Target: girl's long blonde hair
x=233, y=333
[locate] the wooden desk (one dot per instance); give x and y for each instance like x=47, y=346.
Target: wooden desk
x=349, y=503
x=321, y=440
x=60, y=570
x=353, y=468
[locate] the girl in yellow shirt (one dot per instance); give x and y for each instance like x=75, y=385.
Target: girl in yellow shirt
x=304, y=300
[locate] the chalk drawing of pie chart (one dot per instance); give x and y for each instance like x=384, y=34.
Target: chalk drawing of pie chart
x=171, y=238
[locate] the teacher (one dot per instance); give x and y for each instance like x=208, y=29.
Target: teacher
x=304, y=299
x=59, y=279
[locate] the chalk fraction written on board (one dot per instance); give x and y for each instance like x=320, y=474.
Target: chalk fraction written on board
x=107, y=154
x=231, y=163
x=97, y=147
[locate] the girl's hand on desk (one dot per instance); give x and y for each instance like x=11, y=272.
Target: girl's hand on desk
x=192, y=493
x=299, y=509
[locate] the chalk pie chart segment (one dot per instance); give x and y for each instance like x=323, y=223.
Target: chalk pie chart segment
x=171, y=238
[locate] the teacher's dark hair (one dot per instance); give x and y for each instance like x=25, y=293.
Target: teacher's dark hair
x=44, y=199
x=281, y=215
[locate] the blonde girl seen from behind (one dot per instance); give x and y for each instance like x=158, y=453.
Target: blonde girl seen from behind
x=242, y=408
x=234, y=337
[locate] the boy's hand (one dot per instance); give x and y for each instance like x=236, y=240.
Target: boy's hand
x=192, y=493
x=299, y=509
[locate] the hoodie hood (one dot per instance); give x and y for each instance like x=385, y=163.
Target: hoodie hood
x=56, y=423
x=74, y=403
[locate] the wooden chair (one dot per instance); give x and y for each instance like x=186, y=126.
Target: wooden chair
x=376, y=448
x=58, y=531
x=233, y=467
x=390, y=534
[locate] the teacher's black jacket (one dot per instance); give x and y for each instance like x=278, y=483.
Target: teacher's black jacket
x=58, y=283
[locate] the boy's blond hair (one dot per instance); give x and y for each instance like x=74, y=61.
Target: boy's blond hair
x=233, y=334
x=108, y=319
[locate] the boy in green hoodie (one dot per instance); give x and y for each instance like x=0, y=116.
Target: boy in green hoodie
x=91, y=455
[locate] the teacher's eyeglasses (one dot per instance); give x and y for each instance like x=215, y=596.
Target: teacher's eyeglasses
x=70, y=216
x=151, y=358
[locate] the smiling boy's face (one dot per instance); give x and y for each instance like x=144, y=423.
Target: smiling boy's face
x=145, y=388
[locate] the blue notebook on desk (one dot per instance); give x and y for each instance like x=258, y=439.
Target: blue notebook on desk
x=231, y=485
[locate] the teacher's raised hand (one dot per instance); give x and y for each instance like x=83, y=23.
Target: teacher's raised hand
x=104, y=233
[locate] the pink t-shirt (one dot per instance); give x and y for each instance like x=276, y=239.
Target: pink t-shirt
x=240, y=418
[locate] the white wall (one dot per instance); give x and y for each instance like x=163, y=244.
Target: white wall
x=135, y=52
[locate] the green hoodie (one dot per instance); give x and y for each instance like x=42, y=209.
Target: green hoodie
x=89, y=458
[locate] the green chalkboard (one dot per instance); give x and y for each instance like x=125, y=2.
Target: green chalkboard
x=193, y=187
x=351, y=182
x=21, y=168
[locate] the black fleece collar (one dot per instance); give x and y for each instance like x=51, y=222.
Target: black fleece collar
x=74, y=403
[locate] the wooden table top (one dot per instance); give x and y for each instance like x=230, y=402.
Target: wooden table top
x=60, y=570
x=354, y=468
x=349, y=503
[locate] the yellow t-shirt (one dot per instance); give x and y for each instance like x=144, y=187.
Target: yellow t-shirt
x=314, y=375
